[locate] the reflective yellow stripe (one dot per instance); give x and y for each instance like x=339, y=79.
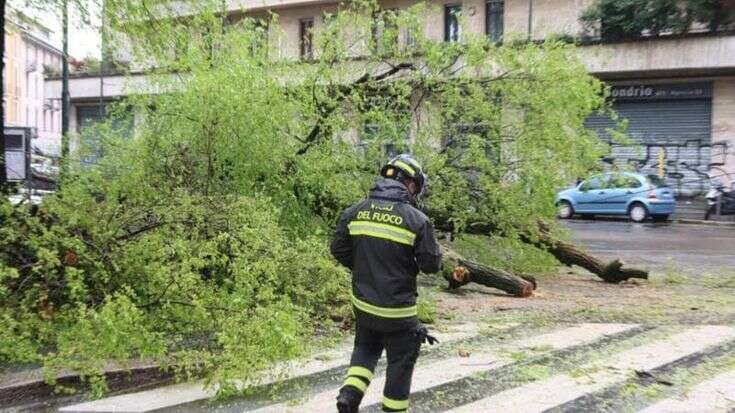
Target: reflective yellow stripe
x=360, y=371
x=395, y=404
x=397, y=229
x=384, y=312
x=406, y=167
x=385, y=231
x=357, y=383
x=381, y=235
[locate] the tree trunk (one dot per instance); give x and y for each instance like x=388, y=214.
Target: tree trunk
x=564, y=252
x=568, y=254
x=519, y=286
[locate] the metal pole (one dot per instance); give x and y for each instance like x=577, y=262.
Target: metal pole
x=530, y=20
x=3, y=171
x=224, y=15
x=661, y=162
x=65, y=81
x=102, y=62
x=29, y=171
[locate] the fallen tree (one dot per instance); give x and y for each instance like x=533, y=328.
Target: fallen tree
x=570, y=255
x=204, y=237
x=522, y=285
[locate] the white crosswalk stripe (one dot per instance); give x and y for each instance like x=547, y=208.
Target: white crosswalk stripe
x=716, y=394
x=544, y=394
x=181, y=394
x=712, y=396
x=431, y=374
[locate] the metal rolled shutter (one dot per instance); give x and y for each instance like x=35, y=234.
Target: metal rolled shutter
x=660, y=121
x=682, y=128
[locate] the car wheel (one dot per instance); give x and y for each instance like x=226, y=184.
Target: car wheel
x=565, y=210
x=638, y=212
x=660, y=218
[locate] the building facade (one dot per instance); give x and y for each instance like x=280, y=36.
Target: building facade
x=29, y=58
x=677, y=92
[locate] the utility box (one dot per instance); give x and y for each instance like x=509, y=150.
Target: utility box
x=18, y=152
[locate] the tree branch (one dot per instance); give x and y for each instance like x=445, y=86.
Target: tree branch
x=324, y=111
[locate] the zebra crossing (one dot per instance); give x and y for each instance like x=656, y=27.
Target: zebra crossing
x=712, y=395
x=536, y=395
x=510, y=368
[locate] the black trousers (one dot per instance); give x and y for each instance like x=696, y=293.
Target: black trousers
x=402, y=349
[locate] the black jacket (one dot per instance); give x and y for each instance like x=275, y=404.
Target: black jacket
x=386, y=241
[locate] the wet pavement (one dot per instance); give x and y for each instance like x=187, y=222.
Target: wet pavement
x=693, y=247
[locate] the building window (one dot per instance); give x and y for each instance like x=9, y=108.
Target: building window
x=452, y=30
x=376, y=137
x=495, y=11
x=409, y=38
x=385, y=31
x=259, y=42
x=306, y=28
x=90, y=116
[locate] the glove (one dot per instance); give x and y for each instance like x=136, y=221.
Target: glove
x=423, y=335
x=461, y=274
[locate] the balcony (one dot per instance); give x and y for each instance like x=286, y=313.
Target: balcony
x=234, y=5
x=86, y=88
x=690, y=55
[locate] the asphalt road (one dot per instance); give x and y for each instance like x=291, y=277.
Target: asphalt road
x=694, y=247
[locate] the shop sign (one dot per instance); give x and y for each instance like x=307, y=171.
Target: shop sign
x=674, y=91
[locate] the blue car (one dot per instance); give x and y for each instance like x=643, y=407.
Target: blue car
x=618, y=193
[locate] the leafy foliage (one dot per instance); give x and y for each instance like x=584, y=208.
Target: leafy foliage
x=716, y=14
x=200, y=242
x=619, y=20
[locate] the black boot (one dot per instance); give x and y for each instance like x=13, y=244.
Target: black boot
x=348, y=400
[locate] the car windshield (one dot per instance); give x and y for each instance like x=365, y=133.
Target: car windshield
x=656, y=181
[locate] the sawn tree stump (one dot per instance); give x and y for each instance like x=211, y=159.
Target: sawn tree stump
x=518, y=286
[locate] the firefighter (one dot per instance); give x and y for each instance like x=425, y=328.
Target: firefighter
x=385, y=241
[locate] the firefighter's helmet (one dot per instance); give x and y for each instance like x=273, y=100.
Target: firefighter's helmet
x=405, y=166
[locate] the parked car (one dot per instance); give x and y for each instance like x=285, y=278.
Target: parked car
x=618, y=193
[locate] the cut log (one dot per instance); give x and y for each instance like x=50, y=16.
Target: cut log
x=518, y=286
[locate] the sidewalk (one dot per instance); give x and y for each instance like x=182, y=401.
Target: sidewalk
x=692, y=211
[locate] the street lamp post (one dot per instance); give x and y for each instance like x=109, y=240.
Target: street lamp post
x=530, y=20
x=101, y=113
x=65, y=81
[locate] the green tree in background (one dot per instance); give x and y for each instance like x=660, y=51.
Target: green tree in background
x=618, y=20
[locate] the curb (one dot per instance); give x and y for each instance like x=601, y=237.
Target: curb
x=685, y=221
x=118, y=380
x=703, y=222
